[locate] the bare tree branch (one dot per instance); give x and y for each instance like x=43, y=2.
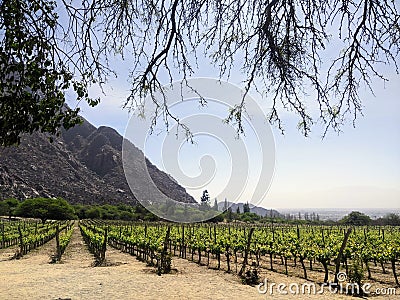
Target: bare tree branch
x=278, y=46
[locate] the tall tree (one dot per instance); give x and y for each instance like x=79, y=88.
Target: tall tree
x=229, y=214
x=278, y=45
x=225, y=205
x=215, y=207
x=205, y=199
x=246, y=207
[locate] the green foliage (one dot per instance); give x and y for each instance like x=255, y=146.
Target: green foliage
x=317, y=244
x=45, y=209
x=218, y=218
x=249, y=217
x=28, y=234
x=3, y=209
x=390, y=219
x=114, y=212
x=96, y=239
x=356, y=218
x=8, y=206
x=356, y=275
x=93, y=213
x=65, y=238
x=34, y=78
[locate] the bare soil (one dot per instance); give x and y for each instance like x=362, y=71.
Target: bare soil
x=124, y=277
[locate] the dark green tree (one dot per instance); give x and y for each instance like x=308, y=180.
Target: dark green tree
x=9, y=206
x=392, y=219
x=356, y=218
x=225, y=205
x=94, y=212
x=229, y=215
x=389, y=219
x=215, y=207
x=238, y=210
x=45, y=209
x=3, y=208
x=80, y=211
x=246, y=207
x=205, y=199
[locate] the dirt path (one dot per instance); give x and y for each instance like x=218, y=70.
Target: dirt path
x=32, y=277
x=77, y=253
x=7, y=253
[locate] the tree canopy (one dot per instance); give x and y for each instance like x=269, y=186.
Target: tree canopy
x=205, y=198
x=45, y=209
x=278, y=46
x=356, y=218
x=35, y=73
x=8, y=206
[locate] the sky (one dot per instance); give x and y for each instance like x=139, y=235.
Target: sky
x=358, y=168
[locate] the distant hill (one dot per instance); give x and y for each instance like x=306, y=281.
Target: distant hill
x=83, y=165
x=261, y=211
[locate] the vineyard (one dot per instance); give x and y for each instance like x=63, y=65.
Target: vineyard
x=29, y=235
x=316, y=253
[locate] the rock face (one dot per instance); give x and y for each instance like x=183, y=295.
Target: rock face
x=83, y=165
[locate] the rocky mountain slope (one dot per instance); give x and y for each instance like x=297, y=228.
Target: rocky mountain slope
x=83, y=165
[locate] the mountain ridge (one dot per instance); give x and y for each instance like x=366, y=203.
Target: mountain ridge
x=82, y=165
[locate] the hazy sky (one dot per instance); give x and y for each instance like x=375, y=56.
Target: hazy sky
x=360, y=167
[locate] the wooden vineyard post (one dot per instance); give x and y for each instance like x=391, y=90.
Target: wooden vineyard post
x=164, y=266
x=228, y=258
x=2, y=236
x=58, y=250
x=301, y=258
x=340, y=254
x=183, y=247
x=271, y=247
x=246, y=253
x=21, y=242
x=103, y=248
x=393, y=263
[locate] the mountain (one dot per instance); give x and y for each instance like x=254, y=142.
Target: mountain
x=82, y=165
x=261, y=211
